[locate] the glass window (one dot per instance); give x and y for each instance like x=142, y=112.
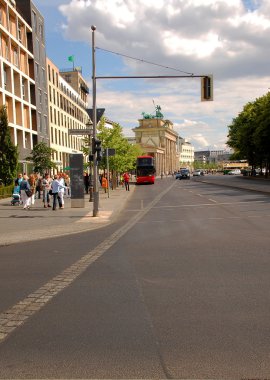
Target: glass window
x=34, y=20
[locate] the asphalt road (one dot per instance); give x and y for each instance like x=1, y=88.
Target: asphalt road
x=177, y=288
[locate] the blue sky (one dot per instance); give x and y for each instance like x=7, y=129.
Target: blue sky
x=226, y=38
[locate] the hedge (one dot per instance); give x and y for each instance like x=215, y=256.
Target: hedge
x=6, y=191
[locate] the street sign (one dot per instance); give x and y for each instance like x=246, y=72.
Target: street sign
x=80, y=131
x=100, y=112
x=110, y=152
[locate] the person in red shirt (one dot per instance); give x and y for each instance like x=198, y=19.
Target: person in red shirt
x=126, y=180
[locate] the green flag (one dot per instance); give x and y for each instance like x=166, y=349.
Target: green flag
x=71, y=58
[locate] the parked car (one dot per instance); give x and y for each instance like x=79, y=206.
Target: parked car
x=234, y=172
x=183, y=174
x=198, y=172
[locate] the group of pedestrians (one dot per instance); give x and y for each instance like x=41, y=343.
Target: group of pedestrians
x=53, y=189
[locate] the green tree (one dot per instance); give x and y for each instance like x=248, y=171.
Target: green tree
x=112, y=137
x=249, y=133
x=41, y=155
x=8, y=151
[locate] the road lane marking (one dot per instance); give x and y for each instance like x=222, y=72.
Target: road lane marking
x=213, y=204
x=18, y=314
x=205, y=219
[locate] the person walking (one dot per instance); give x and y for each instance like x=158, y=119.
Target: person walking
x=38, y=186
x=32, y=182
x=62, y=189
x=56, y=187
x=86, y=182
x=19, y=179
x=46, y=186
x=126, y=180
x=24, y=188
x=104, y=183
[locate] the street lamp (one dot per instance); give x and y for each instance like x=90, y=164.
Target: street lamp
x=89, y=127
x=95, y=162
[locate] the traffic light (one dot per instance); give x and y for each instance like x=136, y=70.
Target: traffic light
x=91, y=157
x=96, y=148
x=207, y=88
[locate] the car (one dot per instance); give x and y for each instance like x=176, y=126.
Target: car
x=183, y=174
x=234, y=172
x=198, y=172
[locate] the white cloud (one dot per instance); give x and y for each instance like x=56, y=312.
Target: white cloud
x=226, y=38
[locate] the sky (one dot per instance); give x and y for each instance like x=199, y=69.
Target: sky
x=228, y=39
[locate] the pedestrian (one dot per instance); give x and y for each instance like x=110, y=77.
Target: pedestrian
x=38, y=187
x=86, y=182
x=32, y=183
x=56, y=186
x=19, y=179
x=104, y=183
x=24, y=189
x=67, y=184
x=62, y=189
x=46, y=186
x=126, y=180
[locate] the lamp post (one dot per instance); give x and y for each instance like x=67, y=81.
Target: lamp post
x=95, y=162
x=89, y=126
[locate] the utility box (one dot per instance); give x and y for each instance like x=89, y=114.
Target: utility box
x=76, y=180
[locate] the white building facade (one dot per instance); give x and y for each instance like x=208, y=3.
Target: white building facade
x=67, y=110
x=186, y=153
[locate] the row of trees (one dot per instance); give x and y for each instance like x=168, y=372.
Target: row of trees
x=249, y=133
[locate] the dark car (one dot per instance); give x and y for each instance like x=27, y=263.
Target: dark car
x=183, y=174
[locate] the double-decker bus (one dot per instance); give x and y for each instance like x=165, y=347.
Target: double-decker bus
x=145, y=170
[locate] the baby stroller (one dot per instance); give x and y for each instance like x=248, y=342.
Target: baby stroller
x=16, y=197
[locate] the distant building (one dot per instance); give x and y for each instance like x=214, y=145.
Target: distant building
x=212, y=156
x=186, y=152
x=67, y=110
x=131, y=140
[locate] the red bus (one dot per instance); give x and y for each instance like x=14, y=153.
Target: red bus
x=145, y=170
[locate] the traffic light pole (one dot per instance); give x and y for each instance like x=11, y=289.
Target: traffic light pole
x=95, y=162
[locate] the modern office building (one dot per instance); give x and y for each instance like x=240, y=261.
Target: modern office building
x=17, y=78
x=67, y=111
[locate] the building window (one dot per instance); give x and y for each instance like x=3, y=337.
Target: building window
x=34, y=17
x=43, y=76
x=23, y=88
x=41, y=31
x=49, y=72
x=38, y=121
x=5, y=77
x=37, y=50
x=15, y=57
x=19, y=32
x=36, y=72
x=40, y=96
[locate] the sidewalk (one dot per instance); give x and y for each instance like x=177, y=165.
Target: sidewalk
x=18, y=225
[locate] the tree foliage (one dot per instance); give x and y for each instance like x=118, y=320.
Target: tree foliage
x=249, y=133
x=112, y=137
x=8, y=151
x=41, y=155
